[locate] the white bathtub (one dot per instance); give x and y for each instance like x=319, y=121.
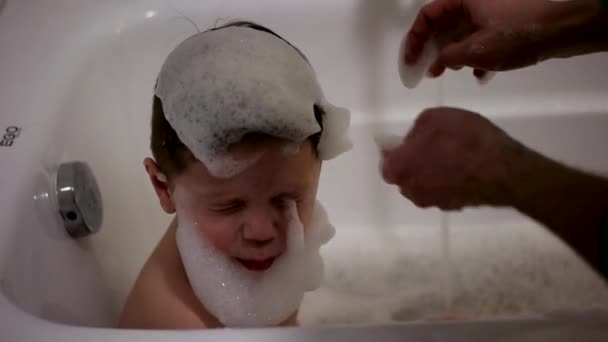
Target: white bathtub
x=76, y=77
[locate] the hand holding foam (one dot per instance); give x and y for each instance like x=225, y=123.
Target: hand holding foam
x=504, y=35
x=427, y=64
x=451, y=158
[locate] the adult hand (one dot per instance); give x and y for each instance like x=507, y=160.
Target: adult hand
x=501, y=35
x=450, y=159
x=454, y=158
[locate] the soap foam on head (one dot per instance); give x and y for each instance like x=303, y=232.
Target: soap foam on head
x=334, y=140
x=219, y=85
x=238, y=297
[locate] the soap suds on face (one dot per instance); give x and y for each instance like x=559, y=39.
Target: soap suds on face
x=238, y=297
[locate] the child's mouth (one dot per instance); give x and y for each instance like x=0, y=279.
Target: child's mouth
x=256, y=265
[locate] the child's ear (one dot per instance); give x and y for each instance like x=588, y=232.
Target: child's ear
x=161, y=185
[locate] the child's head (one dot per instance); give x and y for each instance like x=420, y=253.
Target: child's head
x=280, y=170
x=246, y=98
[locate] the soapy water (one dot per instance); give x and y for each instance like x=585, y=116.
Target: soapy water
x=219, y=85
x=238, y=297
x=496, y=271
x=386, y=141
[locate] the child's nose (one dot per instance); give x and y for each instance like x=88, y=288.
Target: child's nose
x=261, y=228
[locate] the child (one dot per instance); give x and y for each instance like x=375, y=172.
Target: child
x=239, y=130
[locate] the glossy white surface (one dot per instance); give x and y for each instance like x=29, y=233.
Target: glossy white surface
x=77, y=77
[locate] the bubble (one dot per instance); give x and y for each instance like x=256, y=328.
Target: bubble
x=217, y=86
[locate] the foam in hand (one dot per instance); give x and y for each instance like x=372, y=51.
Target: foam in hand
x=411, y=75
x=387, y=141
x=219, y=85
x=238, y=297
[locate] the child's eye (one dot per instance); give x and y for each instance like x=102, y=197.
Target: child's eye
x=282, y=201
x=229, y=207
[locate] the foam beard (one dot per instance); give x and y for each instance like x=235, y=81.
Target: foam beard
x=238, y=297
x=219, y=85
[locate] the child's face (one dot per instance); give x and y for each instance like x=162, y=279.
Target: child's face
x=245, y=217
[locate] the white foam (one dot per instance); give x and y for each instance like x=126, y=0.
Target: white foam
x=241, y=298
x=318, y=233
x=392, y=275
x=411, y=75
x=334, y=139
x=291, y=148
x=387, y=141
x=226, y=166
x=219, y=85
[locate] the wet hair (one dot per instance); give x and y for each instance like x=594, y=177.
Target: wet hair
x=171, y=155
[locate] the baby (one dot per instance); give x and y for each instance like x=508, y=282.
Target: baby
x=239, y=131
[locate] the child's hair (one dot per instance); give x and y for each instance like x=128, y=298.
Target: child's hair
x=171, y=155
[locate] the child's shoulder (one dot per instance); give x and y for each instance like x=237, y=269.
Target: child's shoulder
x=162, y=297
